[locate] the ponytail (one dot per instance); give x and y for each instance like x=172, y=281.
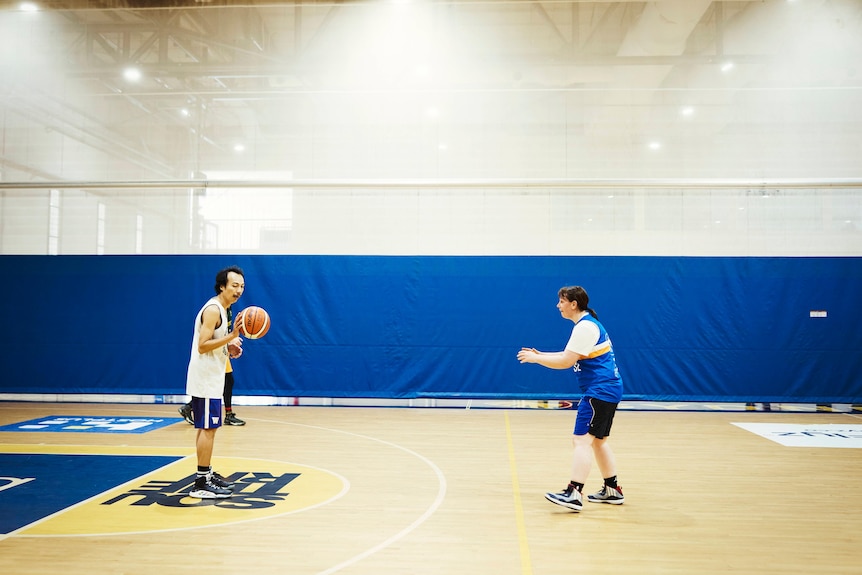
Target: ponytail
x=578, y=295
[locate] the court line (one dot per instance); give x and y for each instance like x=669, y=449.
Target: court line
x=526, y=564
x=100, y=449
x=17, y=533
x=441, y=494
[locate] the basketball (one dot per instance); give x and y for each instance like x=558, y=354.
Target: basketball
x=253, y=322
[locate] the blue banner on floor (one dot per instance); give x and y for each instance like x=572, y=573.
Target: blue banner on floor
x=35, y=486
x=91, y=424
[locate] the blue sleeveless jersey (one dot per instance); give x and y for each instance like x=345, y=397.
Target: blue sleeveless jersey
x=598, y=374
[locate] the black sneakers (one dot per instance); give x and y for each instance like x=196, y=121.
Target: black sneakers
x=186, y=412
x=217, y=479
x=232, y=419
x=229, y=419
x=570, y=499
x=208, y=489
x=612, y=495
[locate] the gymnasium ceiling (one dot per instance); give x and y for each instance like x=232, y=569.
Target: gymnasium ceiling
x=214, y=74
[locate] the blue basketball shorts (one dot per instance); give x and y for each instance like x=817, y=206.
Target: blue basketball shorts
x=207, y=412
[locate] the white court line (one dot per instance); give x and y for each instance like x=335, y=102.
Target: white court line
x=441, y=494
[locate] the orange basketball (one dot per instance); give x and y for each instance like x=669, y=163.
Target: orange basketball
x=253, y=322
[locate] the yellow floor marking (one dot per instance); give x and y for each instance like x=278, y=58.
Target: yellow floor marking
x=95, y=449
x=526, y=566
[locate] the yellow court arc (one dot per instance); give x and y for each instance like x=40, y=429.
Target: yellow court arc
x=158, y=501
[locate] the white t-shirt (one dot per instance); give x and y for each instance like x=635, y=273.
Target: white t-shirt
x=583, y=340
x=205, y=376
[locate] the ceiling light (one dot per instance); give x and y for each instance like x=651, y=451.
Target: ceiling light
x=239, y=147
x=132, y=74
x=655, y=145
x=727, y=67
x=28, y=7
x=687, y=111
x=185, y=112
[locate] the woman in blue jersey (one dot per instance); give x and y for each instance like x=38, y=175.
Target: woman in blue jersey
x=590, y=354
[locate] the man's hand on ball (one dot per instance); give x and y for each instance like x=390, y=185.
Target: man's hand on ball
x=234, y=348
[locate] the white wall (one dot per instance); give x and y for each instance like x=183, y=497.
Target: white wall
x=464, y=221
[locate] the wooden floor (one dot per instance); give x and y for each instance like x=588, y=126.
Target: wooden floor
x=460, y=491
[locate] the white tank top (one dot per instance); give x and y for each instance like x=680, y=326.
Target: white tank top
x=206, y=370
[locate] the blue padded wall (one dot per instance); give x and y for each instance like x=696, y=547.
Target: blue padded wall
x=684, y=328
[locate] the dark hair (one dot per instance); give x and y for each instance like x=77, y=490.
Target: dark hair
x=578, y=295
x=221, y=277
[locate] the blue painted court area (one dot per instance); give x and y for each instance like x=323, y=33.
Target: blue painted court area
x=35, y=486
x=90, y=424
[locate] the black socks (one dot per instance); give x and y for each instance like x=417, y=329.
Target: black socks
x=574, y=486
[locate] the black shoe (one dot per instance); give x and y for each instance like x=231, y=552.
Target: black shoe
x=186, y=412
x=232, y=419
x=220, y=481
x=205, y=489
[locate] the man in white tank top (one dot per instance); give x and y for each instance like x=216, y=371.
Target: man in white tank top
x=205, y=380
